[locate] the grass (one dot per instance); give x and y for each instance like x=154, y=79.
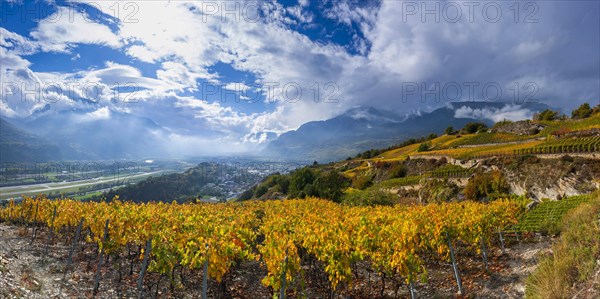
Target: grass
x=574, y=255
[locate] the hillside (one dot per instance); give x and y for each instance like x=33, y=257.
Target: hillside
x=17, y=145
x=100, y=134
x=533, y=158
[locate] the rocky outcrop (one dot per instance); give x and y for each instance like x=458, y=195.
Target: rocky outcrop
x=551, y=178
x=523, y=127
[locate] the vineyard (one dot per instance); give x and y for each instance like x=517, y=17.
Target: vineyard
x=547, y=213
x=485, y=138
x=448, y=171
x=571, y=145
x=283, y=236
x=399, y=182
x=564, y=145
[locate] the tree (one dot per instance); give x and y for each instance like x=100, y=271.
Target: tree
x=474, y=127
x=423, y=147
x=331, y=185
x=449, y=130
x=546, y=115
x=582, y=112
x=299, y=181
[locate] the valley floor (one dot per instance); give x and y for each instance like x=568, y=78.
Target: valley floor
x=26, y=271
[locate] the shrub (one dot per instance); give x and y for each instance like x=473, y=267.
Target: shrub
x=582, y=112
x=546, y=115
x=533, y=131
x=474, y=127
x=423, y=147
x=362, y=181
x=437, y=191
x=246, y=195
x=299, y=180
x=596, y=109
x=261, y=190
x=331, y=185
x=398, y=171
x=486, y=185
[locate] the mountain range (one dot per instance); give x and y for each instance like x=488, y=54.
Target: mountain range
x=106, y=134
x=364, y=128
x=17, y=145
x=81, y=135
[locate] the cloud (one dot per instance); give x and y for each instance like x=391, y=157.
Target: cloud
x=184, y=43
x=67, y=27
x=102, y=113
x=181, y=77
x=142, y=53
x=238, y=86
x=508, y=112
x=17, y=44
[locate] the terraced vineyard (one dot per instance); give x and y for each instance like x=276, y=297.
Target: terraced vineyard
x=485, y=138
x=399, y=182
x=448, y=171
x=564, y=145
x=548, y=212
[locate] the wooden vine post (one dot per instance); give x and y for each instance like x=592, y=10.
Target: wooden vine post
x=140, y=282
x=282, y=290
x=100, y=259
x=73, y=246
x=34, y=224
x=484, y=253
x=454, y=265
x=50, y=230
x=411, y=287
x=205, y=276
x=501, y=241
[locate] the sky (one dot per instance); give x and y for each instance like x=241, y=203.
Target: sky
x=243, y=72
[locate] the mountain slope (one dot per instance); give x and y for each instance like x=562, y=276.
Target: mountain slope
x=364, y=128
x=17, y=145
x=101, y=134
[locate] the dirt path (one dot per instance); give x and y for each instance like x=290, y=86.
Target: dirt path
x=26, y=271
